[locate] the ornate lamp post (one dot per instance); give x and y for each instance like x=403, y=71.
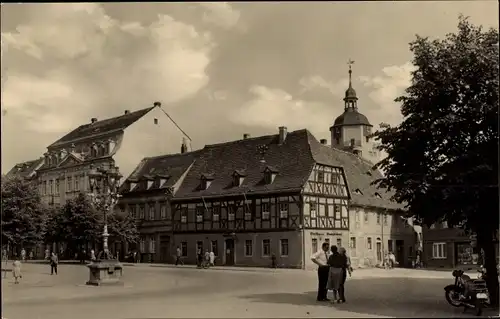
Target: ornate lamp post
x=104, y=193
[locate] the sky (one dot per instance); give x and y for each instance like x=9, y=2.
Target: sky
x=219, y=69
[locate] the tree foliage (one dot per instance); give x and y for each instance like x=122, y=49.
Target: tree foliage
x=122, y=227
x=23, y=215
x=442, y=159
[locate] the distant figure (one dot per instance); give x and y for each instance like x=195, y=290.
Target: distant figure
x=92, y=255
x=178, y=256
x=23, y=255
x=392, y=259
x=199, y=258
x=273, y=261
x=32, y=255
x=54, y=261
x=16, y=270
x=4, y=254
x=212, y=259
x=206, y=261
x=47, y=254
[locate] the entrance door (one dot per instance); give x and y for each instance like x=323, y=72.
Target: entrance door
x=164, y=249
x=379, y=251
x=229, y=247
x=400, y=252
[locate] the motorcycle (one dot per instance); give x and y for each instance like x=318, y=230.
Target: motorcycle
x=468, y=293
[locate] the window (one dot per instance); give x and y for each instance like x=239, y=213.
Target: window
x=57, y=186
x=356, y=216
x=184, y=216
x=83, y=185
x=184, y=249
x=151, y=215
x=266, y=247
x=141, y=212
x=163, y=211
x=314, y=209
x=152, y=245
x=199, y=246
x=378, y=218
x=352, y=242
x=132, y=210
x=142, y=244
x=264, y=208
x=327, y=241
x=248, y=248
x=339, y=242
x=366, y=217
x=283, y=210
x=283, y=247
x=248, y=216
x=369, y=243
x=155, y=121
x=231, y=209
x=77, y=184
x=320, y=176
x=69, y=186
x=216, y=214
x=51, y=187
x=215, y=248
x=439, y=250
x=385, y=219
x=314, y=245
x=199, y=214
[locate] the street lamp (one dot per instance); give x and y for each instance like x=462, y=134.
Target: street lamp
x=104, y=193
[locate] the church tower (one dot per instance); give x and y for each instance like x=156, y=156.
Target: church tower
x=352, y=131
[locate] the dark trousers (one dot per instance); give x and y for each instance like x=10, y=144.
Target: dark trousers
x=53, y=268
x=322, y=281
x=178, y=260
x=342, y=285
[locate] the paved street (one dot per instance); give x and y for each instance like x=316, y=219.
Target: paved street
x=160, y=292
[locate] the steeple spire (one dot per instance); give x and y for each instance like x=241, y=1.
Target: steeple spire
x=350, y=94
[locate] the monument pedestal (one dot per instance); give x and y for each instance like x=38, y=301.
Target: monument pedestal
x=105, y=272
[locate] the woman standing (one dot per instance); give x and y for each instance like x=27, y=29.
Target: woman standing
x=346, y=270
x=16, y=270
x=337, y=263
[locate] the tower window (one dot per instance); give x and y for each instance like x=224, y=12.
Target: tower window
x=367, y=139
x=155, y=121
x=353, y=141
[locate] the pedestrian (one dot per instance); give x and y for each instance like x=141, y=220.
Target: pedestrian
x=31, y=255
x=337, y=263
x=345, y=271
x=23, y=255
x=273, y=261
x=199, y=258
x=206, y=261
x=178, y=256
x=16, y=270
x=54, y=261
x=212, y=259
x=392, y=259
x=92, y=255
x=320, y=258
x=47, y=254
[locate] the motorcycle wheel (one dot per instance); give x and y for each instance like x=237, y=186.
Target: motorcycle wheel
x=452, y=298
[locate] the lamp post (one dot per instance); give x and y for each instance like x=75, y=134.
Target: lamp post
x=104, y=193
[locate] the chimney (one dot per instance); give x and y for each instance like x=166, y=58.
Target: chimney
x=246, y=136
x=282, y=134
x=184, y=146
x=323, y=141
x=93, y=120
x=157, y=104
x=127, y=112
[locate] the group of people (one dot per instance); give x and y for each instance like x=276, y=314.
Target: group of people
x=205, y=261
x=333, y=267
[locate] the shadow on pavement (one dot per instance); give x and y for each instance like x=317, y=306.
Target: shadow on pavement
x=392, y=297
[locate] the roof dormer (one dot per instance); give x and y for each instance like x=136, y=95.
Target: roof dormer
x=148, y=180
x=132, y=184
x=378, y=195
x=161, y=179
x=238, y=177
x=206, y=180
x=270, y=173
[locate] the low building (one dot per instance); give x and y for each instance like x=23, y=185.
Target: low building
x=26, y=170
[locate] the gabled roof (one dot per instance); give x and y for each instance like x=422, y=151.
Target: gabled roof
x=170, y=167
x=25, y=169
x=102, y=127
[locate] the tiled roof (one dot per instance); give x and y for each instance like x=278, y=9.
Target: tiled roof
x=102, y=127
x=292, y=160
x=169, y=167
x=25, y=169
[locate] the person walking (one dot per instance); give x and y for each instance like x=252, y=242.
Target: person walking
x=92, y=255
x=47, y=254
x=206, y=261
x=199, y=258
x=54, y=261
x=178, y=257
x=345, y=271
x=337, y=263
x=212, y=259
x=320, y=258
x=16, y=270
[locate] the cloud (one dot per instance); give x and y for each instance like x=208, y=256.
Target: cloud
x=95, y=60
x=271, y=107
x=221, y=14
x=315, y=82
x=383, y=89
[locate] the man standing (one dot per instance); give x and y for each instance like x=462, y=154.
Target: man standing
x=320, y=258
x=53, y=263
x=178, y=256
x=23, y=255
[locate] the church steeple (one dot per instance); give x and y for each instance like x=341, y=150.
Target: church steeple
x=350, y=98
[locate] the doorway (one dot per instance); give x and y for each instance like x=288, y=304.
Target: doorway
x=379, y=251
x=164, y=249
x=400, y=252
x=229, y=249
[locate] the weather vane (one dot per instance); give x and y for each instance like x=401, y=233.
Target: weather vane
x=350, y=62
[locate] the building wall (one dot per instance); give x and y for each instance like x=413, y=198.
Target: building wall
x=314, y=238
x=370, y=237
x=292, y=260
x=144, y=138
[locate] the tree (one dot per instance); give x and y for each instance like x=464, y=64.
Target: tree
x=122, y=228
x=442, y=159
x=23, y=215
